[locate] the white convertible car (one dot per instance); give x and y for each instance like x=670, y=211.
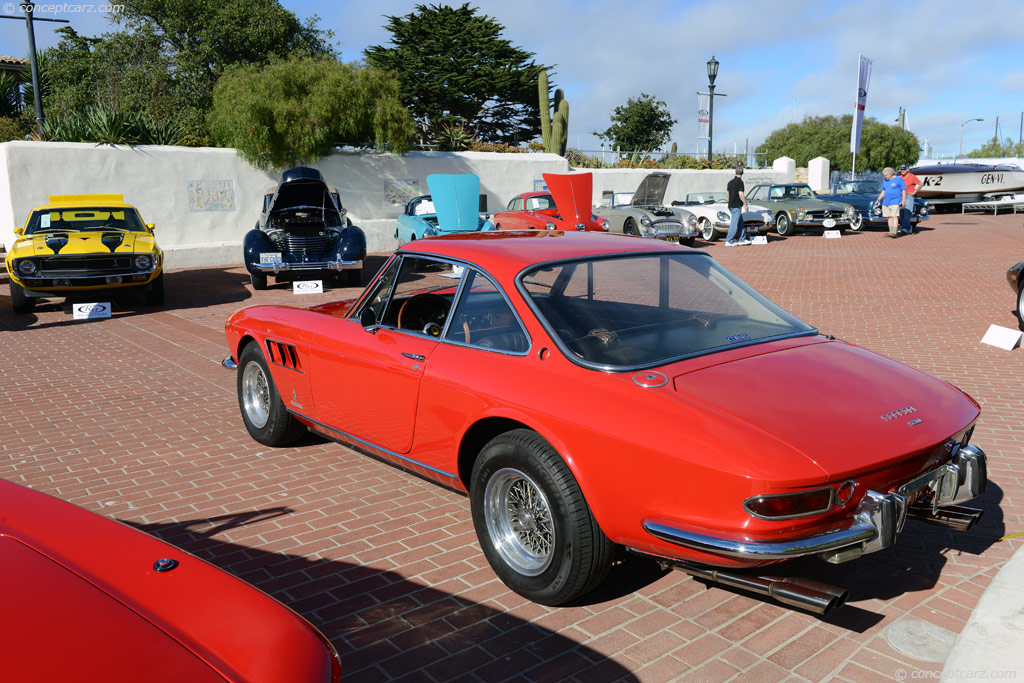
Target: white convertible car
x=712, y=212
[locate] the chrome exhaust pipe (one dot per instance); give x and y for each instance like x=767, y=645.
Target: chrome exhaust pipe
x=953, y=516
x=820, y=598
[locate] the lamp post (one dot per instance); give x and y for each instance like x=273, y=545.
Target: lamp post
x=961, y=153
x=712, y=74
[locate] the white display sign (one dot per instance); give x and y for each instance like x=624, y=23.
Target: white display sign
x=270, y=257
x=91, y=311
x=1001, y=337
x=760, y=239
x=832, y=234
x=308, y=287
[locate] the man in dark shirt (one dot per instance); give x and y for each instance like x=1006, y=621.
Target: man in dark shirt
x=737, y=205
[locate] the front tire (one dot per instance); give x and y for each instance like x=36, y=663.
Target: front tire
x=857, y=224
x=258, y=280
x=784, y=225
x=707, y=231
x=629, y=227
x=532, y=521
x=263, y=411
x=155, y=295
x=19, y=301
x=1020, y=306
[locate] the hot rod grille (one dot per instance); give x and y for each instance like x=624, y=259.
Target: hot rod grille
x=85, y=265
x=316, y=243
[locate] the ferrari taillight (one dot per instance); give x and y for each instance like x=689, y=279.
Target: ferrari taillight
x=789, y=505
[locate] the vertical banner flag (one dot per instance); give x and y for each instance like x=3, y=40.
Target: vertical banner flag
x=863, y=78
x=703, y=115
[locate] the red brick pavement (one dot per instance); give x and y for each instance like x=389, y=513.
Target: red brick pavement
x=133, y=418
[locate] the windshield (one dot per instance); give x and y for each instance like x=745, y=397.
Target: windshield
x=78, y=218
x=859, y=187
x=706, y=198
x=540, y=202
x=651, y=309
x=791, y=191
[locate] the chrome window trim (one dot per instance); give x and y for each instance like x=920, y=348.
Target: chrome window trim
x=467, y=265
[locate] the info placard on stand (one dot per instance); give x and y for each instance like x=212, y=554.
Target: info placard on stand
x=832, y=234
x=308, y=287
x=1002, y=337
x=93, y=311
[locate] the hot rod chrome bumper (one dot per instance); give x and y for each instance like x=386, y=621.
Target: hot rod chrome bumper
x=875, y=524
x=277, y=266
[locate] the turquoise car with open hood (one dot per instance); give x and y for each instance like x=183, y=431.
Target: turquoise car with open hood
x=452, y=206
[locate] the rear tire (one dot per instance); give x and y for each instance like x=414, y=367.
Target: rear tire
x=532, y=521
x=19, y=301
x=263, y=411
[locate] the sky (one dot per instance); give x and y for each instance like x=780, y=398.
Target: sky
x=944, y=61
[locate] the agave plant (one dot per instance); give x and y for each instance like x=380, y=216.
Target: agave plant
x=158, y=131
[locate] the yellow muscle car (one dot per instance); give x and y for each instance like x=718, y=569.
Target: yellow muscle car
x=81, y=243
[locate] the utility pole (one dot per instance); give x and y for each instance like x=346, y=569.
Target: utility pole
x=29, y=9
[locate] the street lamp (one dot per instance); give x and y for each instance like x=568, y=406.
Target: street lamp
x=961, y=153
x=712, y=74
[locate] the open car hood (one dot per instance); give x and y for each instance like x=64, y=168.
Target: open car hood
x=651, y=191
x=839, y=405
x=456, y=198
x=302, y=187
x=572, y=193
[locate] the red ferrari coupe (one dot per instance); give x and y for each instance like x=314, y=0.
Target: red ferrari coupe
x=565, y=206
x=87, y=599
x=592, y=391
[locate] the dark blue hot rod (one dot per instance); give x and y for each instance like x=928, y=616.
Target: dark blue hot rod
x=303, y=234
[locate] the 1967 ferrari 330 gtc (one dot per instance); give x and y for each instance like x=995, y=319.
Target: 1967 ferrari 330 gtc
x=589, y=390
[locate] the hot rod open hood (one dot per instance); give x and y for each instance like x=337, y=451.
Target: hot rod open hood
x=456, y=198
x=302, y=187
x=572, y=193
x=651, y=190
x=824, y=400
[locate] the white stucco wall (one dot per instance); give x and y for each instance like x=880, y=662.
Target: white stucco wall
x=156, y=180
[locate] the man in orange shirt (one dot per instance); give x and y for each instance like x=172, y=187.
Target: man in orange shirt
x=912, y=182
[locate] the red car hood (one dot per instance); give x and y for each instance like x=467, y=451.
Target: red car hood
x=100, y=640
x=572, y=194
x=841, y=406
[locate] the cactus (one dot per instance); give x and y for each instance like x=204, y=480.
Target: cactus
x=554, y=129
x=674, y=152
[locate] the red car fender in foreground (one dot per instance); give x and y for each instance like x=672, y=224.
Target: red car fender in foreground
x=88, y=599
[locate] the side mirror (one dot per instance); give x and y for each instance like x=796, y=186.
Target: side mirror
x=150, y=227
x=20, y=230
x=368, y=319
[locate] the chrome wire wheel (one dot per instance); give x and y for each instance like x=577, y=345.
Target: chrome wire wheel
x=255, y=394
x=519, y=521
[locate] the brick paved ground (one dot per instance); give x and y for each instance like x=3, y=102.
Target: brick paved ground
x=134, y=418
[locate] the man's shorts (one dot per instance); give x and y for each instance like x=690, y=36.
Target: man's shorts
x=891, y=210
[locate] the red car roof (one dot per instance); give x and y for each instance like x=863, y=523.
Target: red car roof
x=509, y=251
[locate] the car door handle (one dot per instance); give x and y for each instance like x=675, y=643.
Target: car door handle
x=414, y=356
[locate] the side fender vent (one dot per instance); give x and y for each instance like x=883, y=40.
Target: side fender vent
x=285, y=355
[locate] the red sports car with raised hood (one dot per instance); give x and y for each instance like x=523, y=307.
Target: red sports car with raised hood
x=591, y=391
x=88, y=599
x=565, y=206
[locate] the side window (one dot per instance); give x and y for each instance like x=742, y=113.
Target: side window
x=422, y=295
x=517, y=204
x=483, y=318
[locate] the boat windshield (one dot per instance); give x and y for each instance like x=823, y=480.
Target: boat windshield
x=635, y=311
